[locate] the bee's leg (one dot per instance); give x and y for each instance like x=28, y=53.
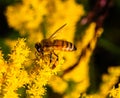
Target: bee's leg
x=54, y=65
x=56, y=56
x=50, y=57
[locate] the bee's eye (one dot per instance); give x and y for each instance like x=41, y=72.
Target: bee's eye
x=38, y=47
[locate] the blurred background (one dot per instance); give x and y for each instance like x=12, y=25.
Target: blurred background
x=16, y=23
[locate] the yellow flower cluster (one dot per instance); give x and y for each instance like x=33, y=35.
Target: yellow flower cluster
x=107, y=87
x=109, y=80
x=14, y=74
x=41, y=74
x=115, y=92
x=26, y=15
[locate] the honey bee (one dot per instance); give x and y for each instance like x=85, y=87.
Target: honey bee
x=49, y=45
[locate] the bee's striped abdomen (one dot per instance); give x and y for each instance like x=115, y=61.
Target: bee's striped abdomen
x=63, y=45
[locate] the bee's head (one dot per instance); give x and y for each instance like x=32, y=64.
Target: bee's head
x=38, y=46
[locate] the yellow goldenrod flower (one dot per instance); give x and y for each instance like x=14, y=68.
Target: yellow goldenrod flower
x=15, y=74
x=3, y=63
x=19, y=53
x=41, y=74
x=29, y=16
x=3, y=69
x=109, y=80
x=115, y=92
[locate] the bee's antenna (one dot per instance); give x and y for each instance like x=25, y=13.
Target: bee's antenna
x=57, y=30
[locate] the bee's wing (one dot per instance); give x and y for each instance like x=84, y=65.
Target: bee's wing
x=56, y=31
